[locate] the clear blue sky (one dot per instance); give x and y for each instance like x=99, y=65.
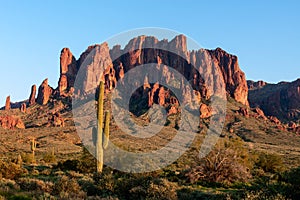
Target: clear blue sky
x=263, y=34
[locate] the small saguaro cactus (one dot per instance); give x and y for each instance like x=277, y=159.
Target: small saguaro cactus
x=19, y=160
x=33, y=148
x=101, y=135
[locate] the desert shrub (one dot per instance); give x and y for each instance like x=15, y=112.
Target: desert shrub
x=19, y=197
x=144, y=186
x=10, y=170
x=7, y=184
x=49, y=158
x=69, y=165
x=105, y=182
x=73, y=174
x=284, y=185
x=227, y=163
x=27, y=158
x=46, y=172
x=31, y=184
x=67, y=188
x=86, y=164
x=270, y=162
x=188, y=193
x=87, y=184
x=292, y=183
x=161, y=189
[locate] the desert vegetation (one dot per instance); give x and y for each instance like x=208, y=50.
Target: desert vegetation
x=230, y=171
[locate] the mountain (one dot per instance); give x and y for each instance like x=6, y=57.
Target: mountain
x=219, y=70
x=257, y=139
x=186, y=62
x=281, y=100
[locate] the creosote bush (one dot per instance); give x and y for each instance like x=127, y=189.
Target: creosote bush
x=10, y=170
x=227, y=163
x=86, y=164
x=27, y=158
x=272, y=163
x=68, y=188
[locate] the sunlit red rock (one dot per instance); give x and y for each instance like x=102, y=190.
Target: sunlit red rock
x=7, y=103
x=32, y=95
x=11, y=122
x=44, y=93
x=23, y=108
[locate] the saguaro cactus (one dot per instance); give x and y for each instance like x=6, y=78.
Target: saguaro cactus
x=33, y=148
x=101, y=135
x=19, y=160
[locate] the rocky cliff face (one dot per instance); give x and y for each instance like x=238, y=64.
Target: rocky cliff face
x=207, y=71
x=95, y=65
x=217, y=68
x=68, y=70
x=233, y=76
x=102, y=63
x=281, y=100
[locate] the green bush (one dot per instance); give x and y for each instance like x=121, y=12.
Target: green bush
x=272, y=163
x=86, y=164
x=292, y=180
x=27, y=158
x=49, y=158
x=10, y=170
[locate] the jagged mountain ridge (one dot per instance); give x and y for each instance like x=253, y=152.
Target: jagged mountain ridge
x=221, y=63
x=114, y=63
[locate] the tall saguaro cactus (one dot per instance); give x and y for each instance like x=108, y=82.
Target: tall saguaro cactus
x=101, y=135
x=33, y=148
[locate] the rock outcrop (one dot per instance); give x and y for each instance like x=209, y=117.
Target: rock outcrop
x=233, y=76
x=23, y=108
x=252, y=85
x=243, y=111
x=32, y=95
x=274, y=120
x=56, y=120
x=7, y=103
x=281, y=100
x=62, y=84
x=259, y=113
x=205, y=111
x=95, y=65
x=68, y=70
x=293, y=127
x=44, y=93
x=11, y=122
